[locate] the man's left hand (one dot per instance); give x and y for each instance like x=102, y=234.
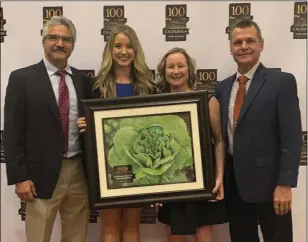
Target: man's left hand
x=282, y=199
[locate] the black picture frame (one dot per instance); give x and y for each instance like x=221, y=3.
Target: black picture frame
x=198, y=100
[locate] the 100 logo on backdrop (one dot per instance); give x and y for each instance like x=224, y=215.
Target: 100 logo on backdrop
x=238, y=11
x=207, y=79
x=176, y=20
x=299, y=28
x=2, y=23
x=49, y=12
x=113, y=16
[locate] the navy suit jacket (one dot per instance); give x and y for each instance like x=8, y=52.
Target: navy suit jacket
x=267, y=140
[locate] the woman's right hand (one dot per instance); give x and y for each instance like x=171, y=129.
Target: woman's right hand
x=81, y=124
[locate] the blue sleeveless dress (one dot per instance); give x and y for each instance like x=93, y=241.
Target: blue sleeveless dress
x=124, y=90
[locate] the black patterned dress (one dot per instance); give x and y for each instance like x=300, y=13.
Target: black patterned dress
x=185, y=218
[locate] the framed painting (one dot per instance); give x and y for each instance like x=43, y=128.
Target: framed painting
x=146, y=149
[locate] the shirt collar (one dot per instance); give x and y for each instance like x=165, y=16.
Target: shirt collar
x=249, y=73
x=51, y=69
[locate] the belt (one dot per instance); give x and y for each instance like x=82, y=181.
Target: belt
x=72, y=157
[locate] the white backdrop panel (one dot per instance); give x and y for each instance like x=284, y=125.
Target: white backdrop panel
x=207, y=42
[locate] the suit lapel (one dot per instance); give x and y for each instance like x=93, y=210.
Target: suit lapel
x=77, y=81
x=256, y=83
x=46, y=87
x=225, y=104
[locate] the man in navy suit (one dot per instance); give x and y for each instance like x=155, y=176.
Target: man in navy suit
x=262, y=127
x=41, y=138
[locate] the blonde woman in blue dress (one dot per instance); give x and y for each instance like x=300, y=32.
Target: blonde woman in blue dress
x=123, y=72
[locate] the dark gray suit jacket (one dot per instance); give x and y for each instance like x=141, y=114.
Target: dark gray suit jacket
x=33, y=141
x=267, y=140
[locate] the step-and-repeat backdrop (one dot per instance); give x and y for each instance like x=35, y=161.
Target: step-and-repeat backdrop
x=201, y=27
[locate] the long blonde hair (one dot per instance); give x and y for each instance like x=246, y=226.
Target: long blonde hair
x=143, y=79
x=162, y=83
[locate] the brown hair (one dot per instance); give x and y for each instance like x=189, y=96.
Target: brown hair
x=162, y=83
x=246, y=23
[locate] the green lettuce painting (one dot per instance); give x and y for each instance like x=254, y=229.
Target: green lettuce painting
x=155, y=149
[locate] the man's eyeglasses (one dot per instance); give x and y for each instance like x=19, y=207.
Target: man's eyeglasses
x=56, y=38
